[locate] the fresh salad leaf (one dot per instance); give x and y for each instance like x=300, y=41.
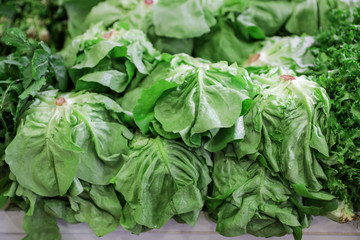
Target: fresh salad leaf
x=286, y=52
x=103, y=60
x=288, y=124
x=40, y=225
x=193, y=101
x=171, y=180
x=223, y=44
x=184, y=19
x=99, y=207
x=63, y=136
x=247, y=198
x=263, y=18
x=77, y=11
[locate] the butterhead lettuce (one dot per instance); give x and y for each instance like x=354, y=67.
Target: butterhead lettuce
x=63, y=136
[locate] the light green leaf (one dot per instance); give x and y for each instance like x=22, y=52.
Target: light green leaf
x=263, y=18
x=40, y=225
x=222, y=44
x=184, y=19
x=304, y=19
x=246, y=197
x=170, y=180
x=99, y=81
x=287, y=125
x=43, y=156
x=48, y=151
x=98, y=52
x=101, y=222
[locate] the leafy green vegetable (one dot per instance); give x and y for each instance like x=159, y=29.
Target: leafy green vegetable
x=337, y=69
x=40, y=225
x=310, y=16
x=192, y=99
x=243, y=23
x=343, y=214
x=263, y=18
x=257, y=146
x=184, y=19
x=170, y=25
x=77, y=11
x=247, y=198
x=170, y=180
x=288, y=125
x=98, y=206
x=304, y=18
x=96, y=81
x=63, y=136
x=223, y=44
x=175, y=19
x=286, y=52
x=108, y=59
x=219, y=29
x=28, y=70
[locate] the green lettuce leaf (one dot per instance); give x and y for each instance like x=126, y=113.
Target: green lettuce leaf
x=136, y=14
x=170, y=180
x=286, y=52
x=184, y=19
x=304, y=18
x=263, y=18
x=101, y=60
x=247, y=198
x=40, y=225
x=194, y=99
x=223, y=44
x=60, y=208
x=99, y=207
x=49, y=149
x=115, y=80
x=288, y=125
x=77, y=12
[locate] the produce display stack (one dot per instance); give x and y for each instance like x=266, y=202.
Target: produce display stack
x=127, y=113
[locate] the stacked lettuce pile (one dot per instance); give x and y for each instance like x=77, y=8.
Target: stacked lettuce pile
x=130, y=129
